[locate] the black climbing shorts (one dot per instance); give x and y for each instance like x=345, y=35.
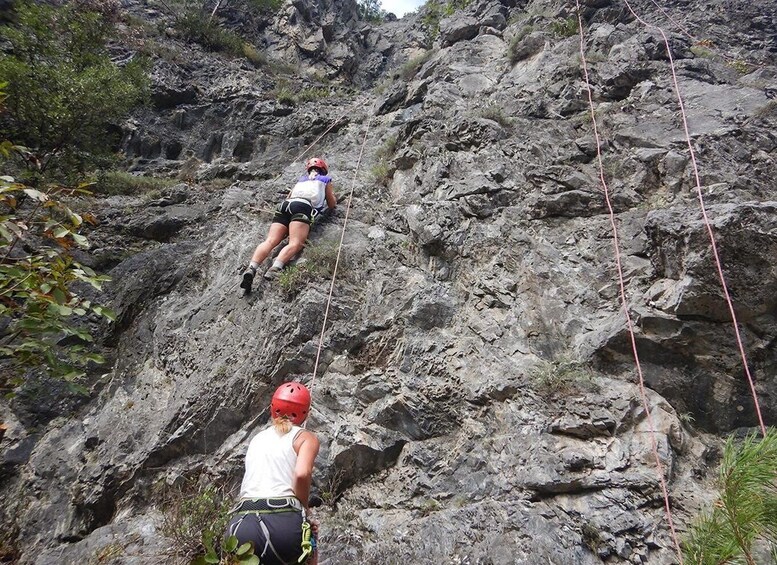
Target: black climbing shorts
x=285, y=533
x=294, y=211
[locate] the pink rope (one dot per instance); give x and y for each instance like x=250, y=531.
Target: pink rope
x=337, y=263
x=624, y=301
x=707, y=222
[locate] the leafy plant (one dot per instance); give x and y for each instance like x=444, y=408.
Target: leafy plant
x=319, y=264
x=120, y=182
x=745, y=512
x=228, y=553
x=313, y=93
x=38, y=300
x=408, y=71
x=514, y=49
x=197, y=28
x=740, y=66
x=64, y=90
x=562, y=376
x=435, y=10
x=371, y=11
x=495, y=113
x=266, y=6
x=252, y=54
x=283, y=93
x=194, y=517
x=565, y=28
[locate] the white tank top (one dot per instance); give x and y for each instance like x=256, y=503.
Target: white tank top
x=270, y=462
x=312, y=189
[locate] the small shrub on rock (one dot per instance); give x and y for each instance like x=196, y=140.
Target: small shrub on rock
x=319, y=264
x=266, y=6
x=563, y=376
x=495, y=113
x=408, y=71
x=193, y=514
x=112, y=183
x=251, y=53
x=196, y=28
x=564, y=28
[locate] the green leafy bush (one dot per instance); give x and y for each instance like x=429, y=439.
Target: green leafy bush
x=194, y=517
x=37, y=296
x=313, y=93
x=120, y=182
x=371, y=11
x=266, y=6
x=197, y=28
x=256, y=58
x=408, y=71
x=746, y=510
x=38, y=302
x=565, y=28
x=283, y=93
x=562, y=376
x=64, y=90
x=514, y=48
x=495, y=113
x=435, y=10
x=319, y=264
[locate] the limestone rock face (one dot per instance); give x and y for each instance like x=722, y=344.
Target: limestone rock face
x=476, y=394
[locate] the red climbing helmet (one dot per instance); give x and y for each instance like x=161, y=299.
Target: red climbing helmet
x=291, y=400
x=317, y=162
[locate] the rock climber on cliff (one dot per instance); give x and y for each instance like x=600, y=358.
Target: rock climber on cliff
x=293, y=217
x=273, y=511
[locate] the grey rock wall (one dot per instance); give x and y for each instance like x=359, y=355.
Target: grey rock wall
x=476, y=396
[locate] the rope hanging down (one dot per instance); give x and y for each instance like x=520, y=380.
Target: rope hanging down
x=623, y=299
x=707, y=223
x=337, y=259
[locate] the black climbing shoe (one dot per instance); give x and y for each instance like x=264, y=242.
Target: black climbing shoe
x=248, y=279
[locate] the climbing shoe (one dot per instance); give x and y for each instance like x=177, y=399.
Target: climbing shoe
x=248, y=279
x=272, y=273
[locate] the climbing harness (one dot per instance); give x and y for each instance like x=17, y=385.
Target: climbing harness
x=622, y=292
x=262, y=507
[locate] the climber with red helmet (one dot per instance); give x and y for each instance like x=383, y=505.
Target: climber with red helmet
x=273, y=511
x=312, y=193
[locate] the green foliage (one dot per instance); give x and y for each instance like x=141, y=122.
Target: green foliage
x=252, y=54
x=746, y=510
x=408, y=71
x=562, y=376
x=266, y=6
x=495, y=113
x=283, y=93
x=194, y=517
x=226, y=553
x=383, y=170
x=319, y=264
x=565, y=28
x=64, y=90
x=514, y=52
x=197, y=28
x=119, y=182
x=371, y=11
x=435, y=10
x=740, y=66
x=37, y=272
x=313, y=93
x=382, y=173
x=37, y=295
